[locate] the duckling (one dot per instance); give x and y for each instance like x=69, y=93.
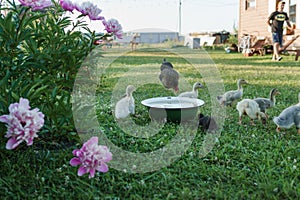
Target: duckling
x=168, y=76
x=125, y=106
x=287, y=118
x=194, y=93
x=250, y=108
x=207, y=123
x=229, y=97
x=266, y=103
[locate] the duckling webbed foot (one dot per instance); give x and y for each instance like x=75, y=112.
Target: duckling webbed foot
x=240, y=121
x=252, y=123
x=267, y=116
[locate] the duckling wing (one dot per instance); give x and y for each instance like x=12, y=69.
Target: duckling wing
x=236, y=95
x=264, y=103
x=231, y=96
x=122, y=108
x=169, y=78
x=192, y=95
x=225, y=99
x=131, y=106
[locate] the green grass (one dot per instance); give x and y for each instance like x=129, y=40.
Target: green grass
x=246, y=162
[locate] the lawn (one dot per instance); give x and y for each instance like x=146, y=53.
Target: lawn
x=244, y=162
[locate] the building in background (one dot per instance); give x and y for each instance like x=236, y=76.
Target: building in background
x=253, y=16
x=150, y=36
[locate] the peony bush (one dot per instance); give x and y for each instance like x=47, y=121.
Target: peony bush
x=41, y=51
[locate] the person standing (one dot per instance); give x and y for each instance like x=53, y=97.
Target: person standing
x=276, y=21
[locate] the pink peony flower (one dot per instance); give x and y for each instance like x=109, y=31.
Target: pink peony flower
x=22, y=123
x=113, y=26
x=67, y=5
x=92, y=157
x=36, y=4
x=87, y=8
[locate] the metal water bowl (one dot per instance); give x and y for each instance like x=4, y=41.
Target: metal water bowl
x=172, y=109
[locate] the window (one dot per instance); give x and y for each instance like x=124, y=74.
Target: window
x=292, y=13
x=250, y=4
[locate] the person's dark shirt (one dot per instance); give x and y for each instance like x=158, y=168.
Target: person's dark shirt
x=278, y=19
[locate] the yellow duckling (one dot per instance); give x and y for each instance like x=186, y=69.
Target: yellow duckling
x=125, y=106
x=229, y=97
x=250, y=108
x=194, y=93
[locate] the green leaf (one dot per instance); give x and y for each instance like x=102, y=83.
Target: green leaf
x=15, y=96
x=38, y=92
x=54, y=93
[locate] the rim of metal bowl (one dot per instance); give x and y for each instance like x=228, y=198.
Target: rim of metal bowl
x=194, y=103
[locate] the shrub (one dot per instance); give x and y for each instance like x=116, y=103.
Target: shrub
x=41, y=52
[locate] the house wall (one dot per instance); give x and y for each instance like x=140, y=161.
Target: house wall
x=297, y=31
x=254, y=20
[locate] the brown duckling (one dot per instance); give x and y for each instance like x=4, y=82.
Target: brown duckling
x=168, y=76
